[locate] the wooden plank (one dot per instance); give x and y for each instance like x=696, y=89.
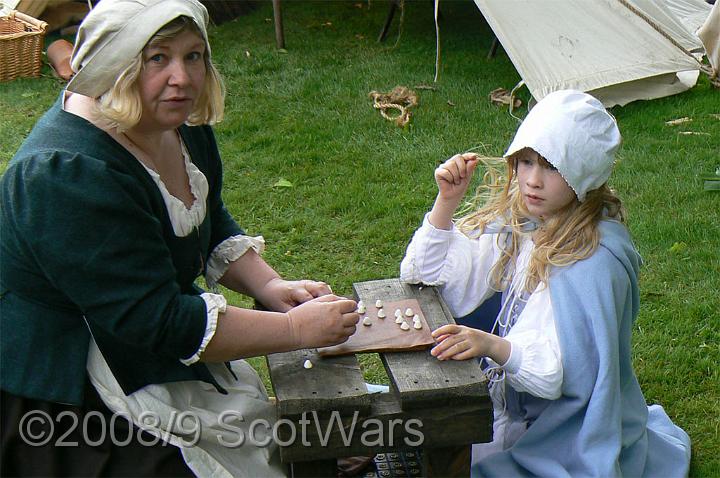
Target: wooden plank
x=419, y=378
x=333, y=383
x=385, y=335
x=388, y=427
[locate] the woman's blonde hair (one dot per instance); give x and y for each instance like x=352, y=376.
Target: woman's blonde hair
x=121, y=106
x=567, y=237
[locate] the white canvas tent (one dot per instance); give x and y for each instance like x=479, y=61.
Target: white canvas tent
x=617, y=50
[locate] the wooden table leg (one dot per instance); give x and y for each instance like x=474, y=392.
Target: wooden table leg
x=388, y=20
x=447, y=462
x=279, y=33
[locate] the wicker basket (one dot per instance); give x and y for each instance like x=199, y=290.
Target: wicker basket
x=21, y=46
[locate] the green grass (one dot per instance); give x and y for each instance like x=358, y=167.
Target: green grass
x=361, y=184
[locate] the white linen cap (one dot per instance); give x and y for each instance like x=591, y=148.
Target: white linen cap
x=574, y=132
x=116, y=31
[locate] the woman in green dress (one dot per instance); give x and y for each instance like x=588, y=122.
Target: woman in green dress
x=110, y=210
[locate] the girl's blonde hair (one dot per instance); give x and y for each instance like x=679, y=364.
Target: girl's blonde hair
x=567, y=237
x=121, y=106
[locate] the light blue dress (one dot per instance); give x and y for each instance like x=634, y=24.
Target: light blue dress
x=601, y=425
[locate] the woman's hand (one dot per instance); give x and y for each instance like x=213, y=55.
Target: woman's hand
x=458, y=342
x=251, y=275
x=452, y=178
x=282, y=295
x=324, y=321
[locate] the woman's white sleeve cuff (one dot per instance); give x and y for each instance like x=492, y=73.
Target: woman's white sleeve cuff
x=214, y=304
x=231, y=249
x=513, y=362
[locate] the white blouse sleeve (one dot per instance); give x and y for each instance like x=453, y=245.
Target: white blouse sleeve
x=535, y=364
x=454, y=262
x=227, y=251
x=214, y=304
x=231, y=249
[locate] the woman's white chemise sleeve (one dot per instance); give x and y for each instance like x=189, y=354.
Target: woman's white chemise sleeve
x=535, y=364
x=214, y=304
x=452, y=261
x=231, y=249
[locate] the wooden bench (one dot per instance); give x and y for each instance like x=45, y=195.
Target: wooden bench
x=439, y=407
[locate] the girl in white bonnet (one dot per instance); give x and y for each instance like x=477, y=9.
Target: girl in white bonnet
x=550, y=236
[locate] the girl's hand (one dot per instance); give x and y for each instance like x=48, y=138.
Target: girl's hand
x=324, y=321
x=453, y=178
x=458, y=342
x=454, y=175
x=282, y=295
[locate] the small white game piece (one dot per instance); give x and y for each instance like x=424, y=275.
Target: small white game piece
x=399, y=320
x=416, y=318
x=378, y=304
x=417, y=325
x=367, y=321
x=398, y=312
x=381, y=314
x=308, y=364
x=361, y=307
x=405, y=326
x=409, y=312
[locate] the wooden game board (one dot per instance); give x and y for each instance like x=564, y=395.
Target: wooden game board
x=385, y=335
